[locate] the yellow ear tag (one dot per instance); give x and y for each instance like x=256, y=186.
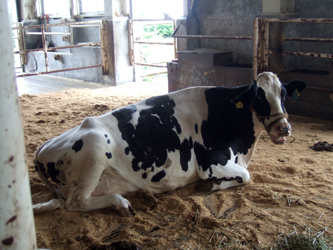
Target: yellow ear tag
x=239, y=105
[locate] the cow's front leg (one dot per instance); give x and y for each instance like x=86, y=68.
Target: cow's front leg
x=218, y=177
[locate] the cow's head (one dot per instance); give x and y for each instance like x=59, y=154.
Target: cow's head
x=266, y=98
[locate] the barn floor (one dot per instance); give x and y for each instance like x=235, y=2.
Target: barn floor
x=42, y=84
x=290, y=190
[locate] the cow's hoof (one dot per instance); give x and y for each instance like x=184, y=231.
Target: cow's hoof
x=126, y=212
x=147, y=197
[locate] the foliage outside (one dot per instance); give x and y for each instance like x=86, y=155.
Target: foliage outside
x=157, y=31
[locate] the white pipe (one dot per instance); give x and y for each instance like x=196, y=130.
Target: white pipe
x=17, y=230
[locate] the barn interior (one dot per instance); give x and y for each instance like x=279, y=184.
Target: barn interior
x=92, y=53
x=214, y=43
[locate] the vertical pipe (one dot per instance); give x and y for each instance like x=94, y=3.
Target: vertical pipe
x=45, y=50
x=17, y=230
x=130, y=40
x=175, y=40
x=256, y=31
x=266, y=39
x=103, y=34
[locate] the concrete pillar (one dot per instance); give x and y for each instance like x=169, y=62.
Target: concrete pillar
x=118, y=50
x=28, y=9
x=17, y=230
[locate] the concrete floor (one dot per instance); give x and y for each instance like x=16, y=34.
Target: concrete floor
x=48, y=84
x=35, y=85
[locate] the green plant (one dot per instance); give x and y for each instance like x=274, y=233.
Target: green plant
x=157, y=30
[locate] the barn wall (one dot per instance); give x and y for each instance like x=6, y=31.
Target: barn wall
x=235, y=18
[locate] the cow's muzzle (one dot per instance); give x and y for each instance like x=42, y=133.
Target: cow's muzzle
x=279, y=135
x=281, y=128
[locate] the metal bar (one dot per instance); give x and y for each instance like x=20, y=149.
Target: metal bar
x=308, y=54
x=266, y=45
x=55, y=24
x=153, y=74
x=319, y=89
x=159, y=43
x=301, y=20
x=60, y=53
x=175, y=30
x=47, y=33
x=152, y=20
x=213, y=37
x=62, y=47
x=60, y=70
x=256, y=45
x=22, y=46
x=174, y=40
x=130, y=41
x=45, y=50
x=84, y=26
x=152, y=65
x=306, y=39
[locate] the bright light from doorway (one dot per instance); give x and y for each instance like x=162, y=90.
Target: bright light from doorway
x=152, y=9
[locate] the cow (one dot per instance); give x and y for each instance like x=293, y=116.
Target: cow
x=163, y=143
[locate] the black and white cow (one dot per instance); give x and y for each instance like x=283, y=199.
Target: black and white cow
x=162, y=143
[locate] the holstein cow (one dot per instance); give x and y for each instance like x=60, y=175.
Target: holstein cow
x=162, y=143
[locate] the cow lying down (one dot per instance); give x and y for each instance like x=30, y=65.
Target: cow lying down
x=162, y=143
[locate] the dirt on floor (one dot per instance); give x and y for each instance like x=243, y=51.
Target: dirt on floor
x=291, y=188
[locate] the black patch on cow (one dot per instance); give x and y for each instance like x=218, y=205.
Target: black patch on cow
x=144, y=176
x=191, y=142
x=77, y=146
x=53, y=173
x=106, y=136
x=108, y=155
x=40, y=166
x=196, y=128
x=159, y=176
x=237, y=178
x=226, y=126
x=236, y=159
x=155, y=134
x=261, y=104
x=127, y=150
x=108, y=141
x=185, y=153
x=60, y=162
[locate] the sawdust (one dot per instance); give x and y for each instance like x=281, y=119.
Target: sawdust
x=291, y=188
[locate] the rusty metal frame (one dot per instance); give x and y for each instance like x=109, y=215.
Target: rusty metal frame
x=267, y=51
x=213, y=37
x=23, y=51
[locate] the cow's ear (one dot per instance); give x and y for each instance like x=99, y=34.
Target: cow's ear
x=246, y=96
x=295, y=87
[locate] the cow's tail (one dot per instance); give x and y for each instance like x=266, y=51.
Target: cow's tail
x=41, y=171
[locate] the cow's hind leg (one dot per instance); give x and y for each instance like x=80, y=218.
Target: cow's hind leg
x=221, y=177
x=80, y=197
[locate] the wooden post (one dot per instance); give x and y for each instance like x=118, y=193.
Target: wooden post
x=17, y=229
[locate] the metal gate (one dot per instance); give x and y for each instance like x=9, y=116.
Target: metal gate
x=22, y=31
x=137, y=42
